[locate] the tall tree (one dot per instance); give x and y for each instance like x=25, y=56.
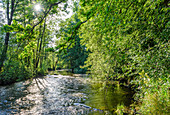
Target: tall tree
x=10, y=10
x=128, y=40
x=73, y=53
x=23, y=53
x=11, y=7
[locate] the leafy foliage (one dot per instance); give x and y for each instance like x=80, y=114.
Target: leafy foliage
x=24, y=50
x=126, y=37
x=124, y=40
x=72, y=54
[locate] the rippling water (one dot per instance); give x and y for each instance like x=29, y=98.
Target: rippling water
x=61, y=95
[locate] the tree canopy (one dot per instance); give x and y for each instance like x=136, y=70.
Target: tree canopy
x=123, y=40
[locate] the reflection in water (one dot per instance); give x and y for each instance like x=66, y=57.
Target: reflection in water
x=107, y=98
x=60, y=95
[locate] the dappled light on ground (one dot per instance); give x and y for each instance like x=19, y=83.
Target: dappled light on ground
x=58, y=94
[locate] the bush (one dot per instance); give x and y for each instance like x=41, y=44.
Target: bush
x=13, y=71
x=153, y=94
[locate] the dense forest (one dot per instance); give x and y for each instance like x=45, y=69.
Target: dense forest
x=119, y=40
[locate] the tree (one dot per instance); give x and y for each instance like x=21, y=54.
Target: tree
x=23, y=52
x=128, y=41
x=11, y=7
x=73, y=53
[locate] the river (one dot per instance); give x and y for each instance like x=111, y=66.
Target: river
x=62, y=95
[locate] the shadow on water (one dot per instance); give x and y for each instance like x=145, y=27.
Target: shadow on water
x=62, y=95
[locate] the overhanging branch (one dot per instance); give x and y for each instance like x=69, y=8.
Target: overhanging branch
x=72, y=36
x=50, y=7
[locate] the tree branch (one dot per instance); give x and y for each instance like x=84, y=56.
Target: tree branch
x=16, y=4
x=12, y=10
x=42, y=19
x=46, y=14
x=8, y=11
x=72, y=36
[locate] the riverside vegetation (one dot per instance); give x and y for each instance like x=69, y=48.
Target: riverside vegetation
x=120, y=40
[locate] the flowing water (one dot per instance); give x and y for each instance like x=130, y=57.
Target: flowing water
x=62, y=95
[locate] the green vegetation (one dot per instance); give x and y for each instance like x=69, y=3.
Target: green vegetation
x=24, y=50
x=122, y=40
x=72, y=54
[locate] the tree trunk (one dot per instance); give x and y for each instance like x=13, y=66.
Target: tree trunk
x=9, y=20
x=56, y=62
x=72, y=70
x=4, y=51
x=39, y=45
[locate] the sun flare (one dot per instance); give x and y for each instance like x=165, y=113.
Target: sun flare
x=37, y=7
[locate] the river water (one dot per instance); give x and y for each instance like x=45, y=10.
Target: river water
x=62, y=95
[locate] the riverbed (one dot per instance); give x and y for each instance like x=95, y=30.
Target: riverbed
x=62, y=94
